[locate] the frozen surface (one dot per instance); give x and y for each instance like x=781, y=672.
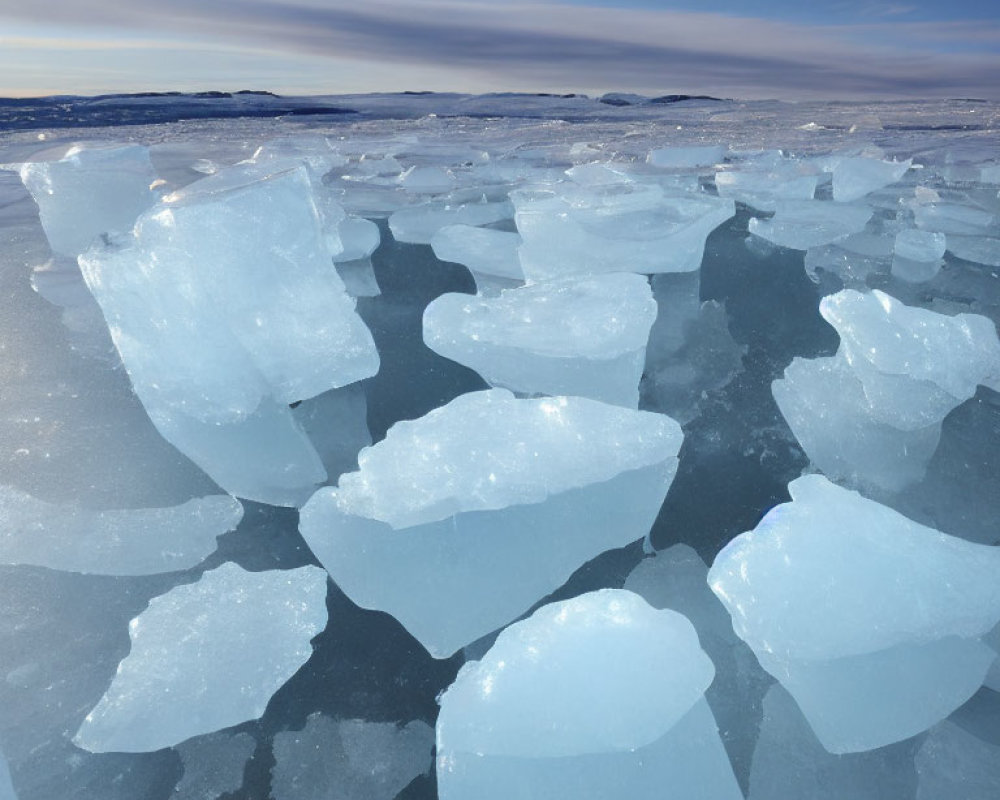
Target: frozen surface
x=583, y=337
x=352, y=758
x=499, y=498
x=528, y=718
x=198, y=661
x=91, y=190
x=213, y=765
x=112, y=542
x=883, y=637
x=269, y=319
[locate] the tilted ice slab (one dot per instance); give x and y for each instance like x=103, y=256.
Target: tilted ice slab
x=490, y=255
x=917, y=255
x=954, y=763
x=583, y=336
x=627, y=227
x=141, y=541
x=870, y=620
x=418, y=224
x=854, y=177
x=90, y=191
x=599, y=696
x=499, y=499
x=898, y=372
x=225, y=308
x=206, y=656
x=349, y=759
x=764, y=189
x=6, y=787
x=801, y=224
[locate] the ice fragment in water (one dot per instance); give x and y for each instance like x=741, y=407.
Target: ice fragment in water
x=870, y=620
x=483, y=250
x=138, y=541
x=350, y=759
x=917, y=255
x=979, y=249
x=235, y=269
x=501, y=499
x=583, y=337
x=419, y=224
x=206, y=656
x=686, y=157
x=90, y=191
x=213, y=765
x=599, y=696
x=855, y=177
x=801, y=224
x=953, y=763
x=6, y=787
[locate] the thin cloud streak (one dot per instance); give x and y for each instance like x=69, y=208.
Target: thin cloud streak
x=580, y=48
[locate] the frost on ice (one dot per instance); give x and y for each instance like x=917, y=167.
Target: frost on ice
x=871, y=621
x=598, y=696
x=206, y=656
x=499, y=498
x=113, y=542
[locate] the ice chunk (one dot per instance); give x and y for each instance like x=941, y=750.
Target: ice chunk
x=359, y=278
x=685, y=157
x=763, y=189
x=206, y=656
x=954, y=218
x=598, y=174
x=953, y=763
x=482, y=250
x=917, y=255
x=790, y=764
x=359, y=238
x=418, y=224
x=801, y=224
x=91, y=190
x=349, y=759
x=870, y=620
x=465, y=492
x=570, y=230
x=233, y=268
x=978, y=249
x=140, y=541
x=583, y=337
x=855, y=177
x=598, y=696
x=213, y=765
x=427, y=178
x=898, y=372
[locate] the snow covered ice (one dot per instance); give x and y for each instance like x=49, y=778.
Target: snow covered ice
x=530, y=357
x=500, y=498
x=871, y=621
x=206, y=656
x=527, y=721
x=583, y=337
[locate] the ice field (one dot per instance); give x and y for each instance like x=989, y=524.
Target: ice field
x=512, y=446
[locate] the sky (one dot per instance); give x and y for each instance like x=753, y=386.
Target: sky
x=748, y=49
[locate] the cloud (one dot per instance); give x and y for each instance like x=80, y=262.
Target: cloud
x=551, y=45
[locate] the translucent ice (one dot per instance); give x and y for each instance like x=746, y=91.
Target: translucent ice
x=980, y=249
x=684, y=157
x=91, y=190
x=206, y=656
x=349, y=759
x=954, y=218
x=898, y=372
x=854, y=177
x=953, y=763
x=917, y=255
x=801, y=224
x=624, y=227
x=115, y=542
x=500, y=498
x=763, y=189
x=582, y=336
x=870, y=620
x=234, y=268
x=359, y=238
x=6, y=787
x=486, y=252
x=213, y=765
x=598, y=696
x=418, y=224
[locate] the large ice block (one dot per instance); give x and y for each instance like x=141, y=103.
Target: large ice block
x=486, y=252
x=687, y=157
x=870, y=620
x=418, y=224
x=801, y=224
x=225, y=307
x=854, y=177
x=91, y=190
x=499, y=499
x=626, y=227
x=138, y=541
x=599, y=696
x=583, y=336
x=898, y=372
x=206, y=656
x=213, y=765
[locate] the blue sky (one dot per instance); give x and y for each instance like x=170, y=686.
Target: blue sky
x=796, y=50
